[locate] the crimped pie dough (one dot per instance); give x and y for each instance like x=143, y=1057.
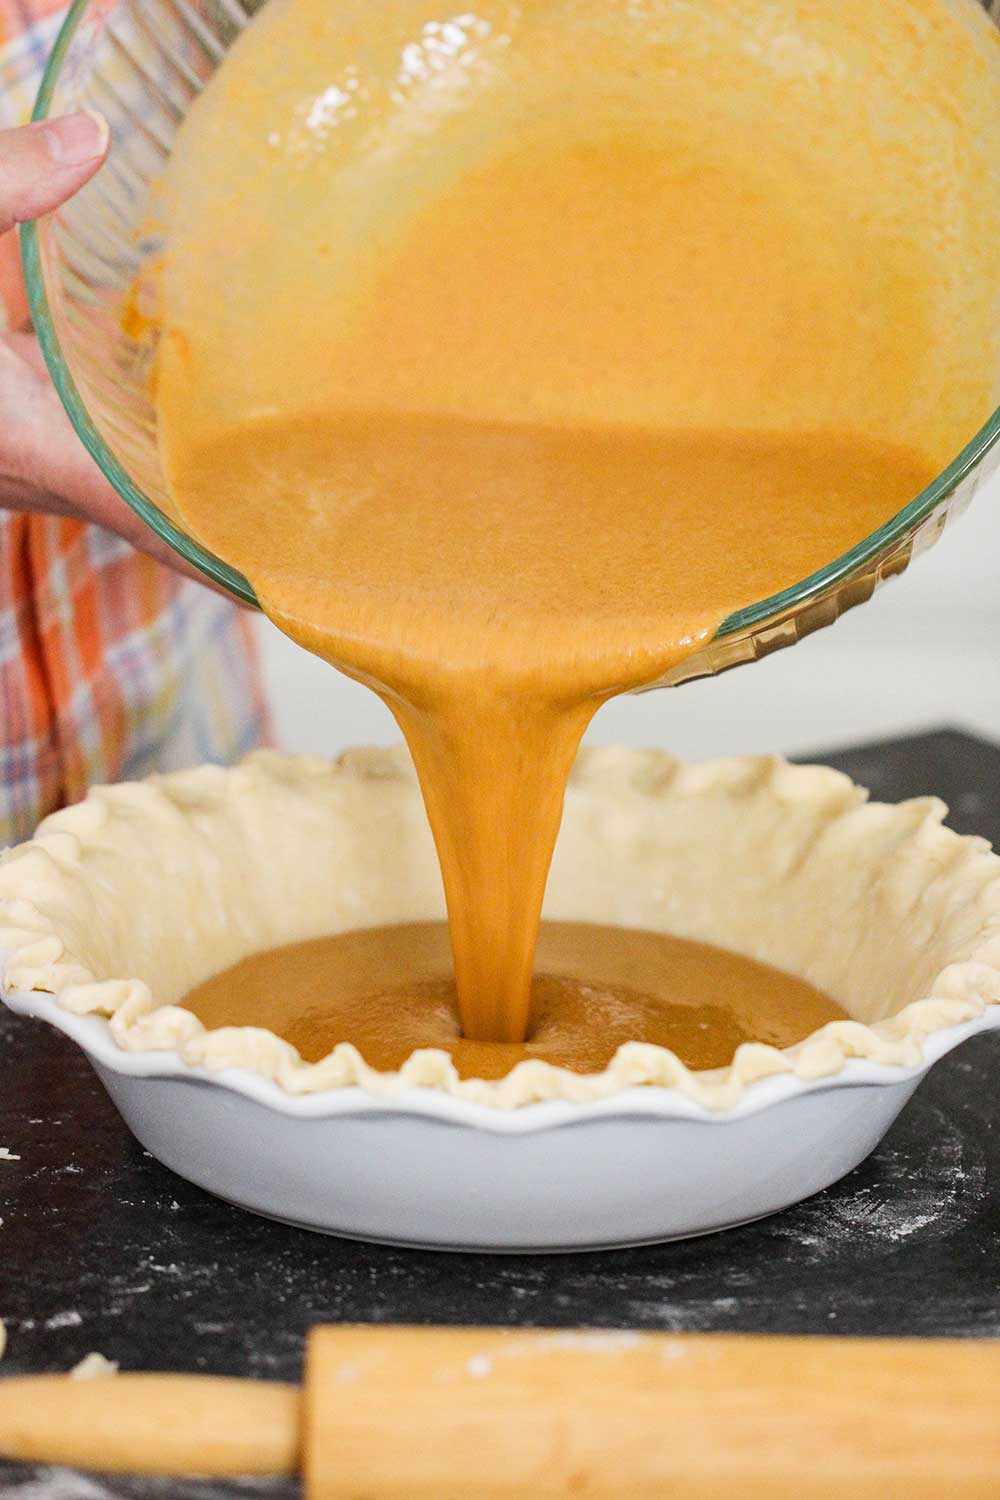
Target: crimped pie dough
x=121, y=904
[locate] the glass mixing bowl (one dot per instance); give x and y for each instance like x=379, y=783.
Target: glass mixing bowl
x=141, y=63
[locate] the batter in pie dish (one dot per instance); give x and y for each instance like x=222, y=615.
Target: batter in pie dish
x=390, y=991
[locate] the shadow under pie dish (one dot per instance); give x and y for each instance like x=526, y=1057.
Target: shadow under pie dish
x=124, y=903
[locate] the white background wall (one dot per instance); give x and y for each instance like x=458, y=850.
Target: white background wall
x=924, y=653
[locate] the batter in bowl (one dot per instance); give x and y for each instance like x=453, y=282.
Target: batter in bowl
x=507, y=353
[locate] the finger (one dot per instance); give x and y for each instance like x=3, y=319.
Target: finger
x=42, y=165
x=27, y=347
x=44, y=466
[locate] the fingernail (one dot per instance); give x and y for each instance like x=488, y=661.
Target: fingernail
x=73, y=140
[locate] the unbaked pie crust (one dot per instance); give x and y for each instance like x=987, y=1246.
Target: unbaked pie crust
x=124, y=902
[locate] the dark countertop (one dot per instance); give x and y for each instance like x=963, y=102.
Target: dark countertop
x=102, y=1248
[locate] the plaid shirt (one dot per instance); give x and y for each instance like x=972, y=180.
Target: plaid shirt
x=111, y=666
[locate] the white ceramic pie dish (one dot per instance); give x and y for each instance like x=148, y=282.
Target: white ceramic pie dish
x=176, y=878
x=427, y=1170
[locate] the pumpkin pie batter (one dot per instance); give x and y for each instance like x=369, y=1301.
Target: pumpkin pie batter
x=507, y=353
x=390, y=990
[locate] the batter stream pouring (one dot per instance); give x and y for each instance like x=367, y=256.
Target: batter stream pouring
x=508, y=354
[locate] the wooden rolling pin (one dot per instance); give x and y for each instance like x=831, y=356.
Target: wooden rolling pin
x=489, y=1414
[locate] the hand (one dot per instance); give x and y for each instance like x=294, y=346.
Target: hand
x=43, y=465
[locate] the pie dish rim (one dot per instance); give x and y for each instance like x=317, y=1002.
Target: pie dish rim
x=92, y=1035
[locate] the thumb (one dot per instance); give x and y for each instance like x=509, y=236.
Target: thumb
x=42, y=165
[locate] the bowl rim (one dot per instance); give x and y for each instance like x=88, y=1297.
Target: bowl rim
x=648, y=1103
x=788, y=600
